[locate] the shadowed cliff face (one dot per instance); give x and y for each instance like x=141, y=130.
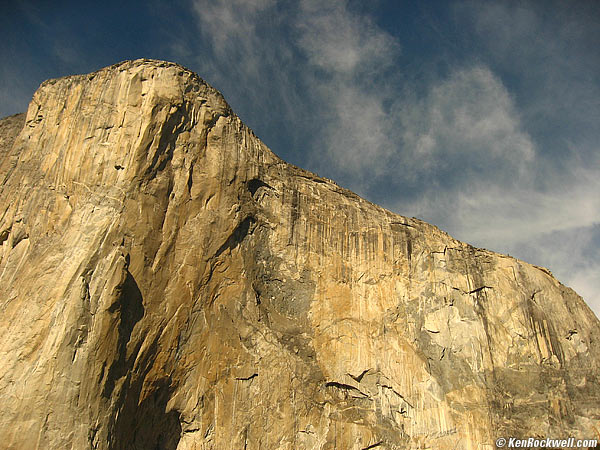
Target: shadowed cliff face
x=166, y=282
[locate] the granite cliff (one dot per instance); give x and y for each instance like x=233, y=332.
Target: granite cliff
x=167, y=282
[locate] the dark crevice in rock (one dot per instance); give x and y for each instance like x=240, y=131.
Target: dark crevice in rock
x=255, y=184
x=256, y=295
x=358, y=378
x=190, y=179
x=294, y=211
x=314, y=177
x=140, y=418
x=385, y=386
x=345, y=387
x=18, y=234
x=248, y=378
x=481, y=288
x=377, y=444
x=213, y=122
x=4, y=235
x=208, y=128
x=542, y=327
x=245, y=227
x=570, y=334
x=404, y=224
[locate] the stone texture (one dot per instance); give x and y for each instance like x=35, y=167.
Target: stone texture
x=9, y=129
x=168, y=282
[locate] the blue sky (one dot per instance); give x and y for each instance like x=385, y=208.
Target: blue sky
x=482, y=117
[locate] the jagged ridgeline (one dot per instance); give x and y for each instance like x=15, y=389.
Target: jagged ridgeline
x=167, y=282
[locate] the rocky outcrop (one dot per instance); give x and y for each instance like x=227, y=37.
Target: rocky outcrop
x=167, y=282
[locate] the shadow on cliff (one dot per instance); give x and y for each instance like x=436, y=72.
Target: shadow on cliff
x=130, y=309
x=147, y=425
x=137, y=424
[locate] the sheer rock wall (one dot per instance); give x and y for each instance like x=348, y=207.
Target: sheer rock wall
x=167, y=282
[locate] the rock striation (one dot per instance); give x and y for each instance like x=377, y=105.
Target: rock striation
x=167, y=282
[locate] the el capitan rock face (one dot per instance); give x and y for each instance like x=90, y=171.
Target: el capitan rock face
x=167, y=282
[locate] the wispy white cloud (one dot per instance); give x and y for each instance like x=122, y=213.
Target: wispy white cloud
x=497, y=214
x=466, y=121
x=232, y=27
x=551, y=59
x=341, y=42
x=346, y=53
